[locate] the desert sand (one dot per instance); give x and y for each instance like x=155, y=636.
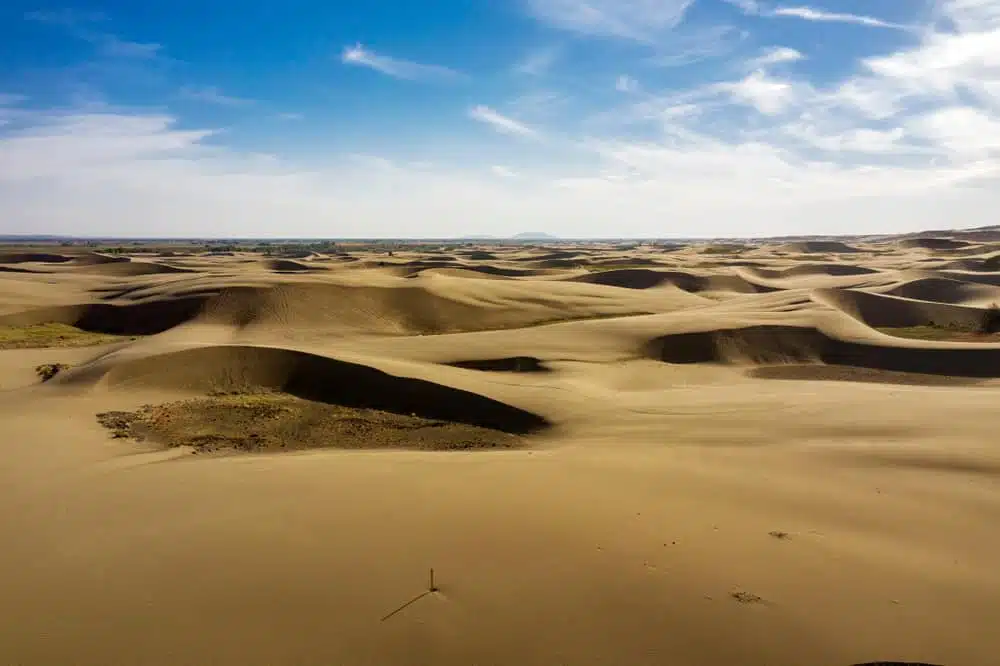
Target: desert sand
x=780, y=454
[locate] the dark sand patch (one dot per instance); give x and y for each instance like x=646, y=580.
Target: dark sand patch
x=509, y=364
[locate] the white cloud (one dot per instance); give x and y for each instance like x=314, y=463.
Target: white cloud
x=639, y=20
x=501, y=123
x=769, y=96
x=128, y=174
x=971, y=15
x=943, y=62
x=754, y=8
x=503, y=172
x=810, y=14
x=961, y=131
x=289, y=116
x=359, y=56
x=213, y=95
x=626, y=84
x=876, y=142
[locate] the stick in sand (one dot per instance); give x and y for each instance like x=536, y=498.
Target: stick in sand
x=430, y=590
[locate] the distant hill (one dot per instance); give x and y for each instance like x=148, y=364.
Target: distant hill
x=534, y=235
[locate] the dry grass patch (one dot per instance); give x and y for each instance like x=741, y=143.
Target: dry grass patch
x=38, y=336
x=266, y=422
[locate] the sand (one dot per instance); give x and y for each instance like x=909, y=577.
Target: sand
x=607, y=455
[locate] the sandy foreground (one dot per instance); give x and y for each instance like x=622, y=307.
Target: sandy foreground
x=724, y=458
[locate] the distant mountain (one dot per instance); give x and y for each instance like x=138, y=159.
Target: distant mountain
x=534, y=235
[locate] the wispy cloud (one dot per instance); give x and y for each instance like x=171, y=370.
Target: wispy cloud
x=80, y=24
x=538, y=104
x=119, y=48
x=289, y=116
x=10, y=99
x=805, y=13
x=775, y=56
x=358, y=55
x=626, y=84
x=745, y=6
x=502, y=123
x=66, y=17
x=638, y=20
x=537, y=62
x=213, y=95
x=810, y=14
x=684, y=47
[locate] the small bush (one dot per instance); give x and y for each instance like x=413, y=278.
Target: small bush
x=47, y=371
x=990, y=322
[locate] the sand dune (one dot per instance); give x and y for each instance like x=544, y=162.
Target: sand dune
x=930, y=243
x=642, y=278
x=608, y=454
x=132, y=319
x=986, y=265
x=777, y=345
x=288, y=265
x=318, y=378
x=131, y=268
x=831, y=270
x=823, y=247
x=945, y=290
x=33, y=257
x=892, y=311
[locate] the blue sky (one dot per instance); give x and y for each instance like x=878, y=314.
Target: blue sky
x=586, y=118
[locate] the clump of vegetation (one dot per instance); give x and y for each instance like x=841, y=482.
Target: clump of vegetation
x=47, y=371
x=121, y=423
x=248, y=421
x=986, y=329
x=36, y=336
x=746, y=597
x=990, y=322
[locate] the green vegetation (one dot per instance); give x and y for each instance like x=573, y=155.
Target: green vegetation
x=37, y=336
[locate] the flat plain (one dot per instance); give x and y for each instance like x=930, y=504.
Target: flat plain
x=776, y=453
